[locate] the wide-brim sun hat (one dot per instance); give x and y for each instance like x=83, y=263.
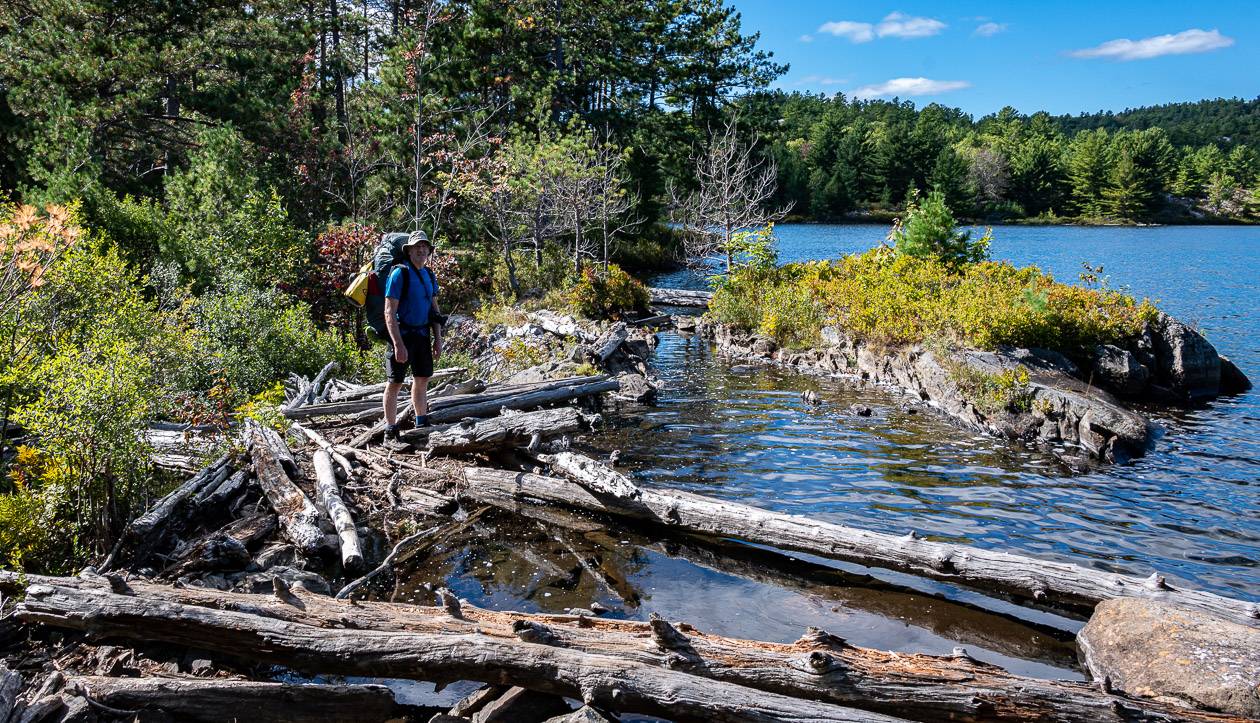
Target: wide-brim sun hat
x=418, y=237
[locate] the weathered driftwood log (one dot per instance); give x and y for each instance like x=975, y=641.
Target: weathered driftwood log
x=656, y=320
x=225, y=548
x=508, y=430
x=491, y=403
x=596, y=477
x=174, y=503
x=10, y=687
x=215, y=700
x=1048, y=581
x=316, y=389
x=446, y=654
x=359, y=392
x=679, y=297
x=763, y=676
x=327, y=446
x=330, y=498
x=213, y=496
x=299, y=518
x=609, y=342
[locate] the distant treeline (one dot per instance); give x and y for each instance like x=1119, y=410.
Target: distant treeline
x=1181, y=162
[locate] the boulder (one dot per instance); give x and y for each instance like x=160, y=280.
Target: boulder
x=636, y=388
x=1233, y=381
x=1119, y=370
x=1155, y=650
x=1186, y=363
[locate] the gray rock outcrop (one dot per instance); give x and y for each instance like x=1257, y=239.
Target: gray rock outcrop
x=1119, y=370
x=1155, y=650
x=1186, y=364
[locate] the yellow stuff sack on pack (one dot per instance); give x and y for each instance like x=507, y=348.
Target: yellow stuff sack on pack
x=357, y=291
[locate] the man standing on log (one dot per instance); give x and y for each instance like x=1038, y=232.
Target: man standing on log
x=415, y=331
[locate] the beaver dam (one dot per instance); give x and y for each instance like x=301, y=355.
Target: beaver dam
x=508, y=564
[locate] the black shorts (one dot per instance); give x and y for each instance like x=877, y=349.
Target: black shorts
x=419, y=358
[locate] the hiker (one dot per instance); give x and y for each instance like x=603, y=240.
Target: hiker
x=414, y=332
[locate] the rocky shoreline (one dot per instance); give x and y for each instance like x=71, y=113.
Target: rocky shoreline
x=1083, y=413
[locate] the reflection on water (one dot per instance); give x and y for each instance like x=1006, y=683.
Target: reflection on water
x=506, y=561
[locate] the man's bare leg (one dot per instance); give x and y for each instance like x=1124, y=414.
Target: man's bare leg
x=420, y=397
x=391, y=402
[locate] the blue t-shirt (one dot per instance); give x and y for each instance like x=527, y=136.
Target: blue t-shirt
x=413, y=311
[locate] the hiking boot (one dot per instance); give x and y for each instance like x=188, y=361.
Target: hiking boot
x=391, y=433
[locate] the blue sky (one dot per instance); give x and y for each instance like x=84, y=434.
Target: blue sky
x=1063, y=57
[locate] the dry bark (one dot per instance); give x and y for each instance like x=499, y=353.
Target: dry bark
x=1046, y=581
x=211, y=701
x=585, y=657
x=609, y=342
x=328, y=447
x=222, y=549
x=454, y=650
x=560, y=326
x=175, y=502
x=679, y=297
x=343, y=523
x=598, y=478
x=507, y=430
x=299, y=518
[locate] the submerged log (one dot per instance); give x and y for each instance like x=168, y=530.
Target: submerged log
x=507, y=430
x=330, y=498
x=451, y=650
x=214, y=700
x=299, y=518
x=587, y=658
x=1047, y=581
x=679, y=297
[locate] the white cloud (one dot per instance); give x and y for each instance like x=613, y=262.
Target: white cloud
x=894, y=25
x=821, y=80
x=856, y=32
x=1187, y=41
x=988, y=30
x=900, y=25
x=807, y=38
x=909, y=87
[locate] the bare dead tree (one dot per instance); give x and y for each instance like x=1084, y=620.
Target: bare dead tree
x=734, y=185
x=989, y=173
x=577, y=187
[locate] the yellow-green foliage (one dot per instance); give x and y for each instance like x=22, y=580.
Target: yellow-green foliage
x=519, y=355
x=31, y=536
x=600, y=294
x=1007, y=389
x=885, y=298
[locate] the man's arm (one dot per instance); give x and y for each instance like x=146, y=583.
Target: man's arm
x=395, y=333
x=436, y=330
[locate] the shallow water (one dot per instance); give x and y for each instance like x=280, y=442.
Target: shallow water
x=1190, y=510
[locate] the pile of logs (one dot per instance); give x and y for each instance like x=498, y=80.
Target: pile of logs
x=224, y=565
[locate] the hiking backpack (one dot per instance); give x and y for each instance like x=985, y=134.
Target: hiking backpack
x=369, y=284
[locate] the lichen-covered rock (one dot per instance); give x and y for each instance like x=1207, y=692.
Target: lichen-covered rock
x=636, y=388
x=1156, y=650
x=1119, y=370
x=1233, y=381
x=1186, y=363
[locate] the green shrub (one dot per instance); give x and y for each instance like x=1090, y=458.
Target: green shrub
x=601, y=294
x=883, y=297
x=254, y=337
x=929, y=233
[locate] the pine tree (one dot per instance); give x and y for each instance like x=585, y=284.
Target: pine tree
x=1089, y=169
x=1126, y=196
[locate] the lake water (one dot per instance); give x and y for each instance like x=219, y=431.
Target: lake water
x=1190, y=509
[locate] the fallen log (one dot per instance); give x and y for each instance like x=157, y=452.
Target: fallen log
x=327, y=446
x=609, y=342
x=656, y=320
x=457, y=653
x=147, y=525
x=1045, y=581
x=213, y=700
x=299, y=518
x=679, y=297
x=595, y=477
x=338, y=514
x=507, y=430
x=771, y=680
x=491, y=403
x=10, y=686
x=359, y=392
